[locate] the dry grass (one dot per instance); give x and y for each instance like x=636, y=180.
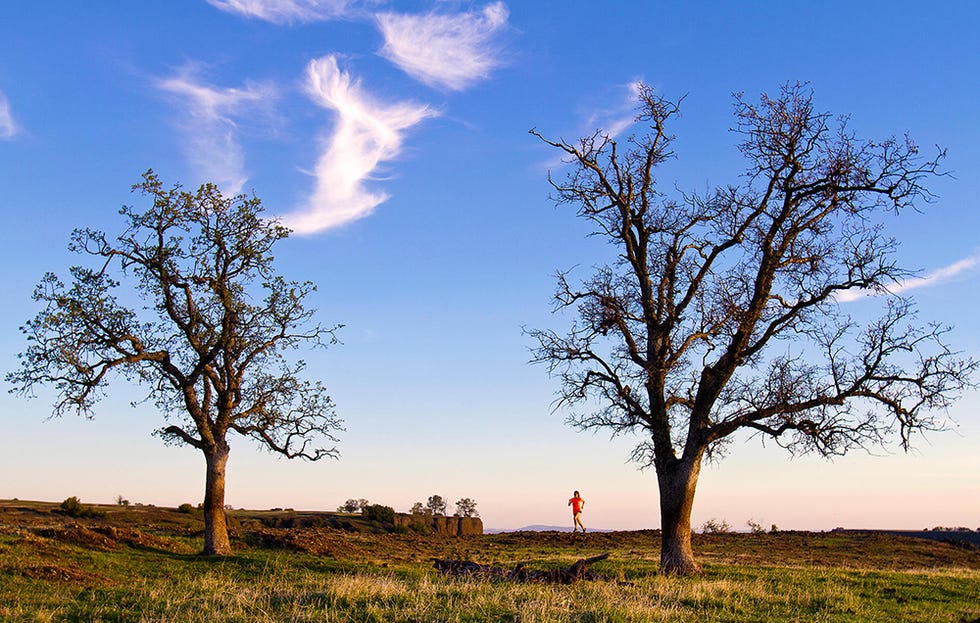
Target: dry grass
x=96, y=572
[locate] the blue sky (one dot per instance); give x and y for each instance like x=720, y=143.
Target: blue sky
x=393, y=137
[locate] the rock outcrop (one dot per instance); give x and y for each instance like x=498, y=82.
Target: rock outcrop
x=452, y=526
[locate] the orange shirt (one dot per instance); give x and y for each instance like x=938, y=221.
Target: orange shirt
x=576, y=504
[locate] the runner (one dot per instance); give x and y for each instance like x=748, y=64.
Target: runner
x=577, y=504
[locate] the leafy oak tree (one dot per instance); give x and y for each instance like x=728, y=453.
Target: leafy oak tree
x=725, y=311
x=466, y=507
x=436, y=505
x=186, y=304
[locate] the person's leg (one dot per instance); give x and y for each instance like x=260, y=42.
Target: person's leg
x=578, y=522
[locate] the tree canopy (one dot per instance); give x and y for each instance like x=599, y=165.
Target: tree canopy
x=186, y=303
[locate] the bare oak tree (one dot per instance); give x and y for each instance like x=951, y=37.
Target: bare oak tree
x=202, y=324
x=725, y=312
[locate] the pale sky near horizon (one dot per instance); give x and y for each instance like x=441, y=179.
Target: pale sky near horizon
x=393, y=137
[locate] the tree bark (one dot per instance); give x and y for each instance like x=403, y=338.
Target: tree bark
x=678, y=483
x=216, y=541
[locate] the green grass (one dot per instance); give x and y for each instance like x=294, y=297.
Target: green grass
x=50, y=579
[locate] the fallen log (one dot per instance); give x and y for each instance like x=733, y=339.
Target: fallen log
x=579, y=570
x=468, y=568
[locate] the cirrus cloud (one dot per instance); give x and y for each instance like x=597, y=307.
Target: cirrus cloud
x=8, y=129
x=450, y=51
x=617, y=119
x=610, y=121
x=209, y=125
x=285, y=11
x=934, y=278
x=365, y=134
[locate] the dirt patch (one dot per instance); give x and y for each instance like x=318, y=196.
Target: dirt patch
x=25, y=535
x=79, y=535
x=318, y=541
x=56, y=573
x=110, y=538
x=138, y=539
x=380, y=549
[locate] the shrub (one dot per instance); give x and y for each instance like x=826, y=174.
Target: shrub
x=755, y=527
x=73, y=508
x=379, y=513
x=353, y=506
x=121, y=501
x=713, y=526
x=186, y=508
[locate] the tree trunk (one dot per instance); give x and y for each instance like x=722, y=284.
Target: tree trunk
x=216, y=541
x=677, y=486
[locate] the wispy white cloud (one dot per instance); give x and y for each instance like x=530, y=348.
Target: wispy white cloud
x=286, y=11
x=209, y=125
x=451, y=51
x=610, y=120
x=365, y=134
x=8, y=129
x=620, y=116
x=934, y=278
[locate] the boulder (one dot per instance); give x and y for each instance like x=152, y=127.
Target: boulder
x=445, y=525
x=470, y=525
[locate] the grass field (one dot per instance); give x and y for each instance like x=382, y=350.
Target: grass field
x=141, y=565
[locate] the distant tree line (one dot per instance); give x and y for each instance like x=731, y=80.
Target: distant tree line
x=436, y=505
